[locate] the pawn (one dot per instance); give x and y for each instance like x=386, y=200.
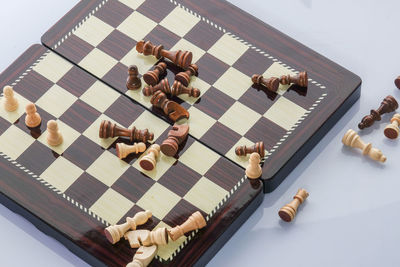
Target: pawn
x=54, y=137
x=352, y=139
x=288, y=212
x=244, y=150
x=194, y=222
x=253, y=170
x=152, y=77
x=271, y=84
x=300, y=79
x=149, y=161
x=123, y=150
x=392, y=130
x=184, y=76
x=178, y=89
x=143, y=256
x=10, y=102
x=32, y=118
x=133, y=82
x=397, y=82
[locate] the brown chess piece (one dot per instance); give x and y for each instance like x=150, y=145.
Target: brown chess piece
x=162, y=86
x=271, y=84
x=176, y=136
x=392, y=130
x=173, y=110
x=389, y=104
x=181, y=58
x=352, y=139
x=184, y=76
x=149, y=161
x=111, y=130
x=288, y=212
x=300, y=79
x=194, y=222
x=133, y=82
x=397, y=82
x=32, y=118
x=178, y=89
x=257, y=147
x=152, y=76
x=123, y=150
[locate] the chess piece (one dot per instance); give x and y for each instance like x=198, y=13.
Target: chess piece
x=176, y=136
x=143, y=256
x=194, y=222
x=146, y=238
x=397, y=82
x=115, y=232
x=152, y=76
x=149, y=161
x=181, y=58
x=392, y=130
x=352, y=139
x=257, y=147
x=300, y=79
x=172, y=109
x=123, y=150
x=54, y=137
x=133, y=82
x=271, y=84
x=253, y=170
x=184, y=76
x=288, y=212
x=389, y=104
x=109, y=129
x=32, y=118
x=162, y=86
x=178, y=89
x=10, y=101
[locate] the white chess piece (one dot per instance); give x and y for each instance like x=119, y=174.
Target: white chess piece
x=10, y=102
x=54, y=137
x=32, y=118
x=253, y=170
x=144, y=255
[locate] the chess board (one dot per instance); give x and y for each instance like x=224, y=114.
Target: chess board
x=229, y=46
x=75, y=190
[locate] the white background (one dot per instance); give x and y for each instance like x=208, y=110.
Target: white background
x=352, y=215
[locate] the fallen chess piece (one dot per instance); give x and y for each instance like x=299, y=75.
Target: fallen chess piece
x=194, y=222
x=300, y=79
x=397, y=82
x=173, y=110
x=10, y=101
x=389, y=104
x=392, y=130
x=149, y=161
x=288, y=212
x=123, y=150
x=133, y=82
x=111, y=130
x=176, y=136
x=271, y=84
x=257, y=147
x=162, y=86
x=146, y=238
x=152, y=76
x=54, y=137
x=352, y=139
x=143, y=256
x=176, y=89
x=253, y=170
x=184, y=76
x=32, y=118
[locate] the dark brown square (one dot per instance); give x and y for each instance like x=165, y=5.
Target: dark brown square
x=124, y=111
x=74, y=48
x=258, y=98
x=117, y=45
x=117, y=76
x=76, y=81
x=304, y=97
x=113, y=13
x=4, y=125
x=225, y=174
x=252, y=62
x=180, y=213
x=80, y=116
x=37, y=158
x=149, y=225
x=37, y=131
x=155, y=9
x=267, y=131
x=203, y=35
x=33, y=86
x=214, y=103
x=160, y=35
x=220, y=138
x=83, y=152
x=211, y=68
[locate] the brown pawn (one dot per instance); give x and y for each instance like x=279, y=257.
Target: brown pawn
x=111, y=130
x=392, y=130
x=288, y=212
x=194, y=222
x=149, y=161
x=389, y=104
x=133, y=82
x=397, y=82
x=300, y=79
x=152, y=76
x=271, y=84
x=184, y=76
x=178, y=89
x=181, y=58
x=176, y=136
x=172, y=109
x=162, y=86
x=257, y=147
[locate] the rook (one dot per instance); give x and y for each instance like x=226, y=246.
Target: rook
x=288, y=212
x=389, y=104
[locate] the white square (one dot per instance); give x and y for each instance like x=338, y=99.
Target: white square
x=167, y=251
x=233, y=83
x=199, y=122
x=147, y=120
x=134, y=4
x=239, y=118
x=93, y=31
x=198, y=83
x=100, y=96
x=137, y=26
x=138, y=96
x=285, y=113
x=228, y=49
x=183, y=45
x=163, y=164
x=56, y=101
x=13, y=116
x=241, y=160
x=277, y=70
x=144, y=63
x=14, y=141
x=53, y=67
x=179, y=21
x=199, y=158
x=98, y=63
x=92, y=132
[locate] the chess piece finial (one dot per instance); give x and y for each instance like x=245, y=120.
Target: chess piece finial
x=143, y=256
x=123, y=150
x=178, y=89
x=149, y=161
x=352, y=139
x=138, y=238
x=162, y=86
x=111, y=130
x=133, y=82
x=152, y=76
x=10, y=101
x=397, y=82
x=253, y=170
x=389, y=104
x=288, y=212
x=300, y=79
x=54, y=137
x=181, y=58
x=32, y=118
x=173, y=110
x=194, y=222
x=392, y=130
x=184, y=76
x=271, y=84
x=176, y=136
x=115, y=232
x=257, y=147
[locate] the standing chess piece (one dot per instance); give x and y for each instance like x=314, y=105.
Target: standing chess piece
x=392, y=130
x=138, y=238
x=194, y=222
x=162, y=86
x=389, y=104
x=253, y=170
x=397, y=82
x=184, y=76
x=143, y=256
x=32, y=118
x=123, y=150
x=288, y=212
x=176, y=136
x=352, y=139
x=173, y=110
x=115, y=232
x=54, y=137
x=257, y=147
x=10, y=101
x=133, y=82
x=111, y=130
x=178, y=89
x=152, y=76
x=149, y=161
x=300, y=79
x=271, y=84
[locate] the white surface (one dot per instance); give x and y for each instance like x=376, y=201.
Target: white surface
x=351, y=217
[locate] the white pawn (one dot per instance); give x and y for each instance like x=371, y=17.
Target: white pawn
x=253, y=170
x=54, y=137
x=149, y=161
x=10, y=102
x=123, y=150
x=32, y=118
